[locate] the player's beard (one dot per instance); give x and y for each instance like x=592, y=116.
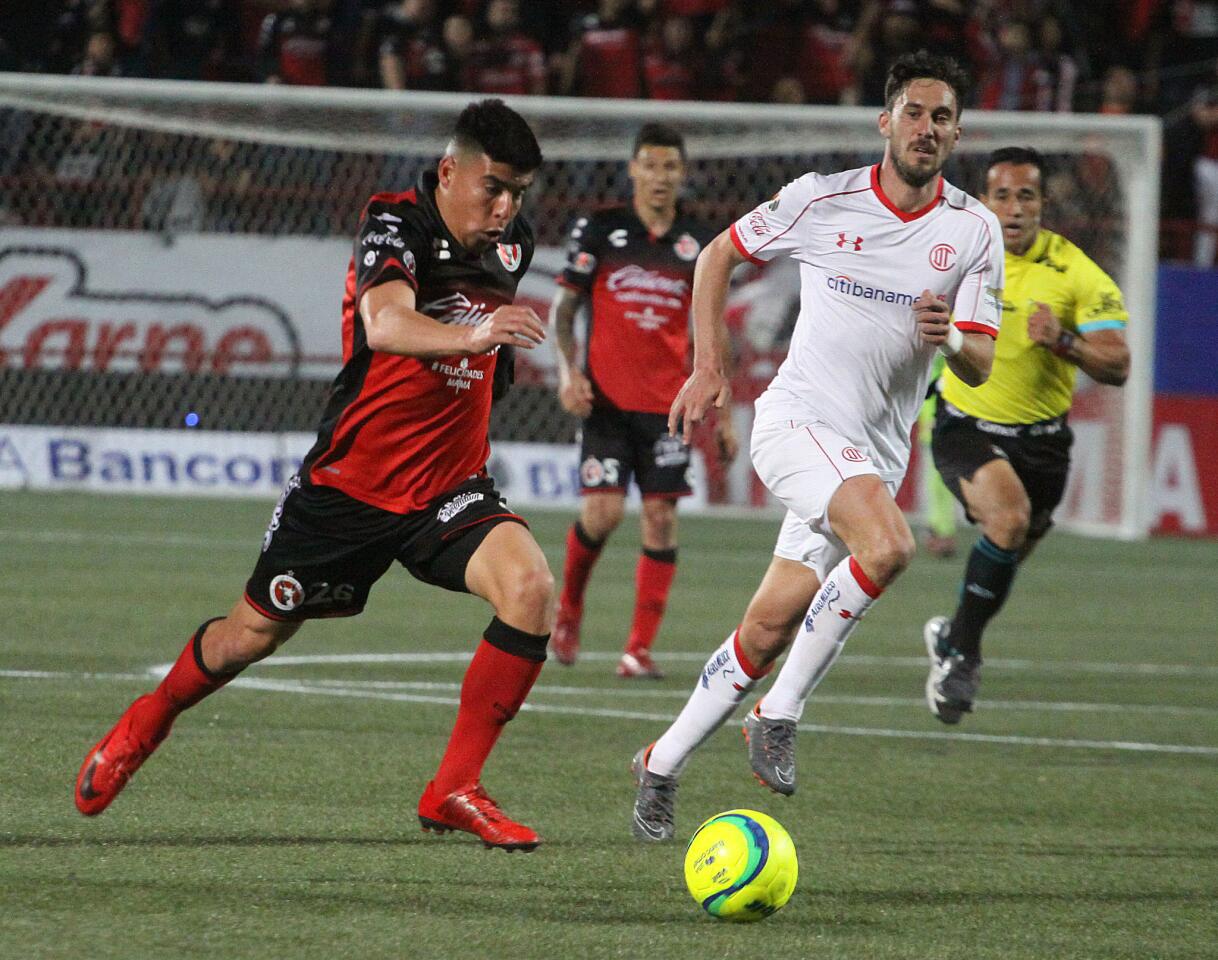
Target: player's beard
x=912, y=176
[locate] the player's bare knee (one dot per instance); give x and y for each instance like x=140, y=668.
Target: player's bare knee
x=257, y=642
x=1007, y=527
x=527, y=598
x=887, y=556
x=764, y=638
x=232, y=644
x=659, y=529
x=601, y=515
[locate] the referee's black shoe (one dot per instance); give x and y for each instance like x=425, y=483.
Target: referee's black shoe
x=953, y=681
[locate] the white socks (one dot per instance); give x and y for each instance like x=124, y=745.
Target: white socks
x=843, y=598
x=725, y=680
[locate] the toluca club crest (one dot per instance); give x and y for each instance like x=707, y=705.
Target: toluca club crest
x=510, y=256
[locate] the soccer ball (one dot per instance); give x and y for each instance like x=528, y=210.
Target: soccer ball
x=741, y=865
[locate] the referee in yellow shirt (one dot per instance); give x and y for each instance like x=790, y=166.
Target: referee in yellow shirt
x=1004, y=448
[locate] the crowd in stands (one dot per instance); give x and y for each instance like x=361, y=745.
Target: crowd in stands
x=1110, y=56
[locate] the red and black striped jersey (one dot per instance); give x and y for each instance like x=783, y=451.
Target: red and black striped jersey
x=640, y=287
x=397, y=432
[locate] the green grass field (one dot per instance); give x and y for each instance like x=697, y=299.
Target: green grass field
x=1074, y=816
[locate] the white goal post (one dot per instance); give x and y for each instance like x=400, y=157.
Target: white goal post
x=190, y=238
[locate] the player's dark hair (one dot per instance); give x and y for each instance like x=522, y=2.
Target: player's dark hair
x=658, y=135
x=924, y=65
x=492, y=127
x=1014, y=155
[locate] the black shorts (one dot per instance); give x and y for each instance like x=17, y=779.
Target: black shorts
x=616, y=445
x=324, y=550
x=1039, y=453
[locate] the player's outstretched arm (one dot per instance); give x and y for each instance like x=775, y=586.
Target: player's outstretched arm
x=574, y=389
x=707, y=384
x=393, y=325
x=1102, y=354
x=969, y=355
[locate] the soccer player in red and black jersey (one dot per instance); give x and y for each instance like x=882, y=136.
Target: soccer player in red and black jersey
x=398, y=471
x=633, y=266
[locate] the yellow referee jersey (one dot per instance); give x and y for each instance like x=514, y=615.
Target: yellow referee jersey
x=1029, y=383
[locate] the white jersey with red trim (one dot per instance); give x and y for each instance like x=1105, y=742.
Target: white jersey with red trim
x=855, y=361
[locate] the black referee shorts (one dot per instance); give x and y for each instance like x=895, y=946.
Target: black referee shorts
x=1038, y=452
x=323, y=550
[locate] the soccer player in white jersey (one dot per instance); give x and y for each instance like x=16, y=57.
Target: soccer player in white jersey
x=895, y=264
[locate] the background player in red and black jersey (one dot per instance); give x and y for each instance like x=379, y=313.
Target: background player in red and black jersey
x=633, y=267
x=398, y=472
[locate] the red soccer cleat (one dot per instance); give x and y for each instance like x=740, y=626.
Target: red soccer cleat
x=111, y=763
x=637, y=664
x=564, y=638
x=471, y=810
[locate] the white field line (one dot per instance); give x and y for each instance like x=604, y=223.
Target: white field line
x=65, y=675
x=637, y=692
x=1039, y=666
x=356, y=690
x=1013, y=740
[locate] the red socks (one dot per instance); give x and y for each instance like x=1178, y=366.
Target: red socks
x=582, y=554
x=503, y=670
x=652, y=580
x=186, y=684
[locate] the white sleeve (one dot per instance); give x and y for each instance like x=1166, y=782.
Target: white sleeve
x=774, y=227
x=978, y=307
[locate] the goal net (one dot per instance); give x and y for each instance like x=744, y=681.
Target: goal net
x=172, y=259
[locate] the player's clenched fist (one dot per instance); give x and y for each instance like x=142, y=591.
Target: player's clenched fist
x=933, y=318
x=511, y=324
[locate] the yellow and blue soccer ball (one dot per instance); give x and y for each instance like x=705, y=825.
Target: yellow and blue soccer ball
x=741, y=865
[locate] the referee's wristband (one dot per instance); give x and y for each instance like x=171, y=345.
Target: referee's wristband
x=955, y=341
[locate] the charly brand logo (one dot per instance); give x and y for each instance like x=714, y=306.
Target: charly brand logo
x=52, y=317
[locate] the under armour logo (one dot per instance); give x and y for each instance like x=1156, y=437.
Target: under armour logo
x=842, y=240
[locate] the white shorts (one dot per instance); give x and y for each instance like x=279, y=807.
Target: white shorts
x=803, y=464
